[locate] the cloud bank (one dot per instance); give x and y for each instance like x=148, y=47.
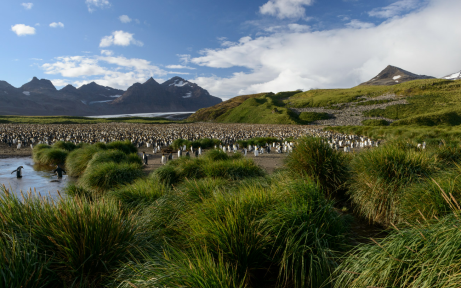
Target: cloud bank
x=118, y=72
x=423, y=42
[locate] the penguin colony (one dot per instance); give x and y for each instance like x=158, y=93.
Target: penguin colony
x=161, y=135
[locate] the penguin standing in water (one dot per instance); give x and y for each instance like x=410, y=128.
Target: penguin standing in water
x=59, y=171
x=18, y=172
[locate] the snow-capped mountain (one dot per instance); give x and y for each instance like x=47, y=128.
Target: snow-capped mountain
x=454, y=76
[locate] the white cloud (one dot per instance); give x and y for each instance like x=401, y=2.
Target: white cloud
x=395, y=8
x=339, y=57
x=93, y=4
x=27, y=6
x=56, y=25
x=179, y=67
x=107, y=52
x=285, y=8
x=357, y=24
x=120, y=38
x=118, y=72
x=124, y=19
x=22, y=30
x=184, y=58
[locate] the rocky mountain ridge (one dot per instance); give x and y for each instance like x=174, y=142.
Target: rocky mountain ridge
x=40, y=97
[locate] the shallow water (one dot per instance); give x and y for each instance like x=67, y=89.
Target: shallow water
x=33, y=176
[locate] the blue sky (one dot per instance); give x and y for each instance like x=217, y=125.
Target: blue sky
x=228, y=47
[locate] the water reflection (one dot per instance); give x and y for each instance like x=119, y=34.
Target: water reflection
x=33, y=176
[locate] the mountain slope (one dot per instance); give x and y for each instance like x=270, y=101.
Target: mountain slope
x=392, y=75
x=454, y=76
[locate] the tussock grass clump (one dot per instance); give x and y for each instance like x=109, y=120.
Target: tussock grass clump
x=74, y=190
x=78, y=159
x=22, y=264
x=105, y=176
x=124, y=146
x=182, y=269
x=449, y=154
x=141, y=193
x=380, y=178
x=432, y=197
x=427, y=255
x=167, y=174
x=313, y=116
x=199, y=190
x=261, y=141
x=216, y=155
x=306, y=234
x=315, y=159
x=179, y=143
x=68, y=146
x=104, y=156
x=51, y=156
x=82, y=242
x=205, y=143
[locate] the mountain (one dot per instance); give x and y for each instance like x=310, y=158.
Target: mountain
x=175, y=94
x=454, y=76
x=40, y=97
x=392, y=75
x=38, y=86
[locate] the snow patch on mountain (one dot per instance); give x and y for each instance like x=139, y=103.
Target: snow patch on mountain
x=179, y=83
x=454, y=76
x=397, y=77
x=27, y=93
x=115, y=96
x=188, y=95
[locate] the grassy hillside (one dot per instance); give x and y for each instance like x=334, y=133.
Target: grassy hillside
x=211, y=113
x=430, y=102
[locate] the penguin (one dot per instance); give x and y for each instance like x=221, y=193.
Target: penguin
x=18, y=172
x=144, y=158
x=163, y=159
x=59, y=171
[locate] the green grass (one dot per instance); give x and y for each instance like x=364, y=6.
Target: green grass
x=260, y=110
x=261, y=141
x=78, y=159
x=375, y=122
x=138, y=195
x=105, y=176
x=423, y=256
x=315, y=159
x=313, y=116
x=81, y=120
x=50, y=156
x=80, y=242
x=380, y=177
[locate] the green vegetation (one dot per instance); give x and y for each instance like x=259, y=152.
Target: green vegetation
x=266, y=109
x=426, y=255
x=375, y=122
x=261, y=141
x=314, y=158
x=220, y=221
x=313, y=116
x=380, y=177
x=49, y=155
x=431, y=102
x=211, y=113
x=204, y=143
x=81, y=120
